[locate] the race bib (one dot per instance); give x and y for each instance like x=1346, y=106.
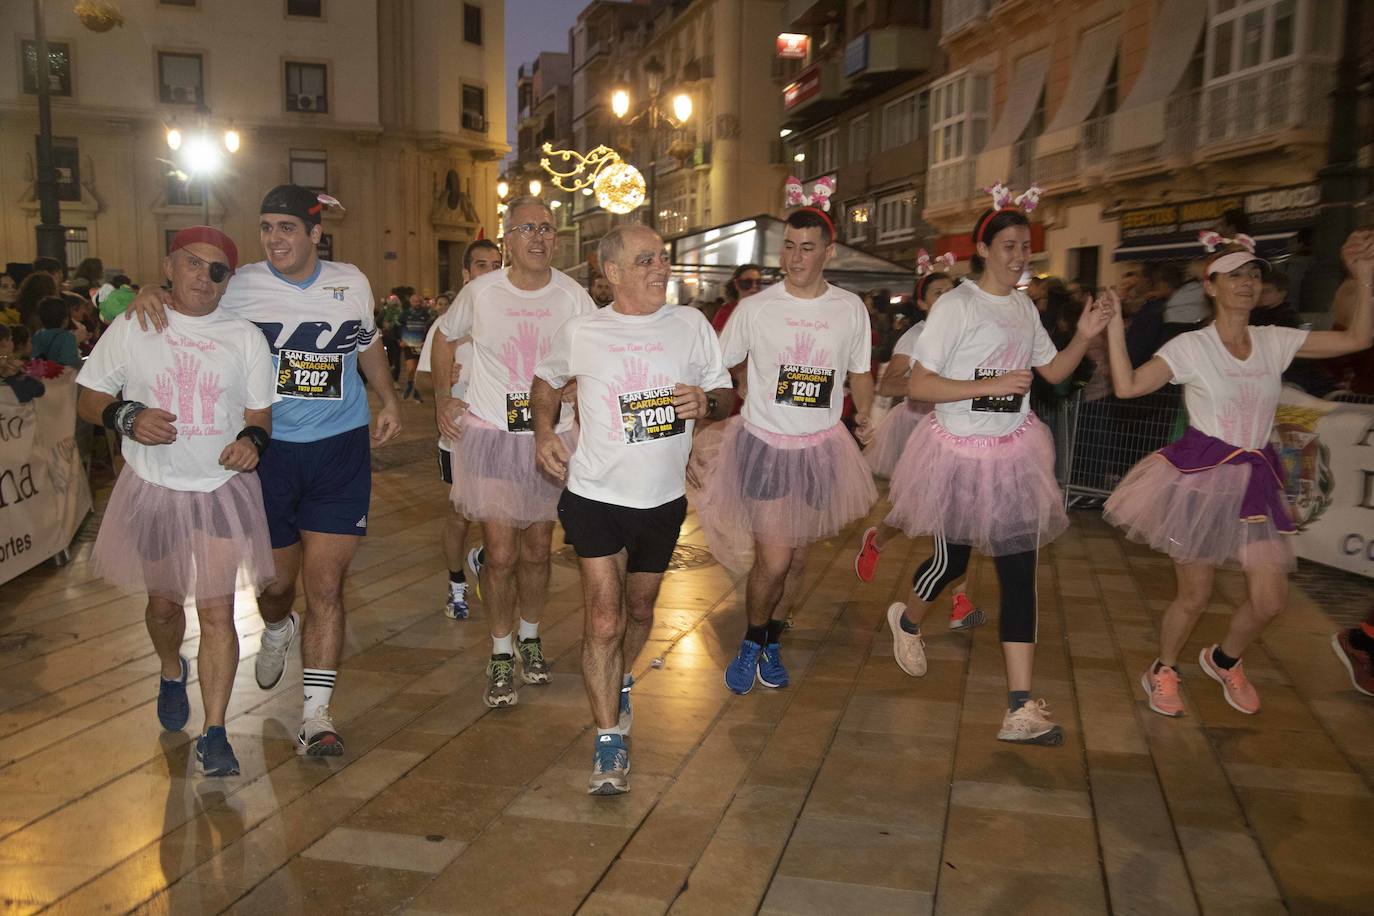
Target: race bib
x=805, y=386
x=999, y=403
x=518, y=412
x=301, y=374
x=649, y=414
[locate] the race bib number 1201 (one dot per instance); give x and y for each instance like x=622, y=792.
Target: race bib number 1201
x=649, y=414
x=301, y=374
x=805, y=386
x=518, y=419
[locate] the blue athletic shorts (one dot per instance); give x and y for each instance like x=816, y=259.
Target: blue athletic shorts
x=322, y=486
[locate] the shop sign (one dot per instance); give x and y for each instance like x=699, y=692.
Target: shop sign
x=807, y=86
x=1274, y=210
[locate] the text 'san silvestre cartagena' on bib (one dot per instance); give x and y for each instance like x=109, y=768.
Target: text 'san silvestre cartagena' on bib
x=805, y=386
x=518, y=418
x=649, y=414
x=996, y=403
x=302, y=374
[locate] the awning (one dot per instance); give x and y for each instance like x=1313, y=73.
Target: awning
x=1173, y=39
x=1266, y=246
x=1093, y=59
x=1027, y=82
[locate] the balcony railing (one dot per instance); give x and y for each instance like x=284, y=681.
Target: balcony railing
x=1255, y=104
x=1022, y=172
x=959, y=13
x=949, y=184
x=1178, y=142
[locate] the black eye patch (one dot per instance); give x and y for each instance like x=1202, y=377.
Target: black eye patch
x=219, y=271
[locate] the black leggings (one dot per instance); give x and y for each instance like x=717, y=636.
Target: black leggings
x=1015, y=573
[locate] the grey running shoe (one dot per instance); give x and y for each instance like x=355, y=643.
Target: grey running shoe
x=533, y=668
x=272, y=651
x=501, y=682
x=610, y=767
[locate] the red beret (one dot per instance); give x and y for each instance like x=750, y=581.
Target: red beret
x=210, y=236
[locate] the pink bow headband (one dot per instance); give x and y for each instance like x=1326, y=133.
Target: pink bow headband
x=1003, y=198
x=1212, y=240
x=925, y=265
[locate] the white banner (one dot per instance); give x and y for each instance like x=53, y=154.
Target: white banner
x=1328, y=452
x=44, y=493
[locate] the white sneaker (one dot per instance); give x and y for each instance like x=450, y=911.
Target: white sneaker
x=1031, y=725
x=317, y=737
x=908, y=648
x=272, y=651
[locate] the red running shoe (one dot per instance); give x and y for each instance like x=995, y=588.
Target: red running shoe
x=866, y=563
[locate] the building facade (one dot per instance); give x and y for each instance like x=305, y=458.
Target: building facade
x=544, y=105
x=395, y=108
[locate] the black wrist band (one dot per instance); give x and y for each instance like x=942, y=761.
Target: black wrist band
x=119, y=416
x=711, y=405
x=257, y=436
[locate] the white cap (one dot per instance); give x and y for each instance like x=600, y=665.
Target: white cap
x=1235, y=260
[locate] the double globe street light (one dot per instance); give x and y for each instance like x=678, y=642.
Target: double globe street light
x=656, y=118
x=199, y=156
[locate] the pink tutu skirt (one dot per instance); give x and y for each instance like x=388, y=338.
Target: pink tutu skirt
x=784, y=490
x=884, y=450
x=995, y=493
x=495, y=478
x=1196, y=517
x=178, y=543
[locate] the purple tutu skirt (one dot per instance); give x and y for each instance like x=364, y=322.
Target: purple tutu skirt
x=495, y=478
x=176, y=544
x=1219, y=510
x=884, y=450
x=995, y=493
x=784, y=490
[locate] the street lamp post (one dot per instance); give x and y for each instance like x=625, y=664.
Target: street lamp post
x=200, y=156
x=50, y=241
x=657, y=119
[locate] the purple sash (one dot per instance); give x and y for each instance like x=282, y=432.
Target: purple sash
x=1196, y=451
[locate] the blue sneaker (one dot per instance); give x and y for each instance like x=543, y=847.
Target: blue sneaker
x=610, y=767
x=476, y=556
x=627, y=718
x=456, y=607
x=739, y=676
x=173, y=708
x=771, y=670
x=213, y=753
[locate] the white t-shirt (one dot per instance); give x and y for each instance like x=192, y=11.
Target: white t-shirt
x=511, y=330
x=632, y=450
x=1228, y=399
x=906, y=344
x=973, y=334
x=462, y=357
x=206, y=370
x=800, y=352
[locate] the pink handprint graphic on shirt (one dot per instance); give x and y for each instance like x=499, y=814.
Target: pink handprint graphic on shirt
x=521, y=354
x=185, y=372
x=803, y=352
x=1240, y=415
x=209, y=391
x=636, y=377
x=162, y=390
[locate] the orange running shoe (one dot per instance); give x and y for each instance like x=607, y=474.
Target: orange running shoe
x=1235, y=686
x=964, y=616
x=1161, y=689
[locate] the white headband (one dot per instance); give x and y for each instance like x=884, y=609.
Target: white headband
x=1234, y=261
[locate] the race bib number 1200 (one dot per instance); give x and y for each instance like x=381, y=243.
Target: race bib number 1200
x=301, y=374
x=518, y=418
x=805, y=386
x=649, y=414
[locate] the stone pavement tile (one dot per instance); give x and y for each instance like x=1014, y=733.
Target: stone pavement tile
x=858, y=853
x=316, y=886
x=800, y=896
x=429, y=807
x=486, y=878
x=1058, y=845
x=560, y=794
x=1322, y=782
x=980, y=757
x=978, y=889
x=673, y=837
x=1223, y=863
x=385, y=849
x=1144, y=866
x=1247, y=742
x=631, y=888
x=499, y=751
x=901, y=716
x=883, y=779
x=1027, y=799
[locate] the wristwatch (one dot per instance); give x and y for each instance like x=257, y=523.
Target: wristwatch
x=711, y=405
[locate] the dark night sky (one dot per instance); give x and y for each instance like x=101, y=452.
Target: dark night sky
x=533, y=26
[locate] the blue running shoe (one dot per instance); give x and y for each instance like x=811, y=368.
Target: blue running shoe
x=771, y=670
x=610, y=767
x=456, y=607
x=173, y=708
x=627, y=718
x=213, y=753
x=739, y=676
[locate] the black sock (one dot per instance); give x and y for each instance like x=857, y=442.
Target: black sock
x=1360, y=640
x=908, y=627
x=1222, y=660
x=1159, y=666
x=456, y=575
x=1016, y=699
x=775, y=628
x=757, y=635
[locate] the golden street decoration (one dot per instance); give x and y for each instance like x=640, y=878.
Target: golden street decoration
x=619, y=186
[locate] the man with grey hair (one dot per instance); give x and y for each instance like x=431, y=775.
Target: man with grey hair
x=644, y=372
x=511, y=316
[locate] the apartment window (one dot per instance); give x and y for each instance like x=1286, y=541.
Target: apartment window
x=307, y=87
x=78, y=244
x=182, y=192
x=59, y=67
x=894, y=218
x=180, y=78
x=168, y=236
x=825, y=153
x=958, y=117
x=472, y=23
x=66, y=162
x=325, y=247
x=310, y=168
x=474, y=108
x=1246, y=34
x=313, y=9
x=856, y=219
x=959, y=13
x=901, y=121
x=1107, y=101
x=858, y=139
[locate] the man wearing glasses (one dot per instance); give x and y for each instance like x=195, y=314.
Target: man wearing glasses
x=511, y=316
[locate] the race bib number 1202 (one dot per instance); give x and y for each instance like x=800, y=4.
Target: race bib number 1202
x=301, y=374
x=518, y=418
x=649, y=414
x=805, y=386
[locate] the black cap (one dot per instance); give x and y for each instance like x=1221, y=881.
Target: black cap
x=294, y=200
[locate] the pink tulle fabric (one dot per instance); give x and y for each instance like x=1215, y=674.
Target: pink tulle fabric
x=784, y=490
x=180, y=543
x=1195, y=518
x=495, y=477
x=995, y=493
x=884, y=450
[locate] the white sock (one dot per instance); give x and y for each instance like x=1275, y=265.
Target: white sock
x=528, y=630
x=613, y=730
x=503, y=645
x=279, y=626
x=319, y=688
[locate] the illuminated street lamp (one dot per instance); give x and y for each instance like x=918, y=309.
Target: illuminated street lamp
x=682, y=106
x=535, y=187
x=200, y=156
x=620, y=103
x=502, y=189
x=657, y=118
